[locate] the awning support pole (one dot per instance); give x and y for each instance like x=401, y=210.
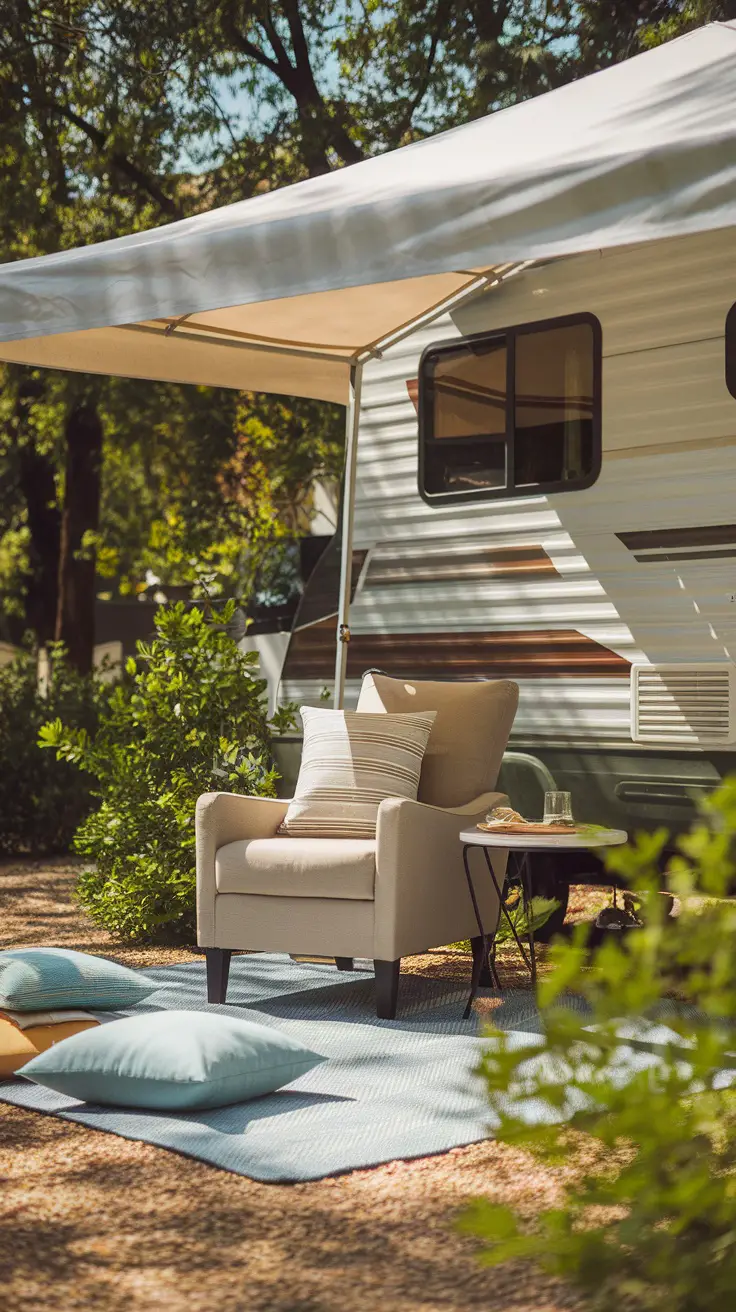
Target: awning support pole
x=352, y=420
x=483, y=282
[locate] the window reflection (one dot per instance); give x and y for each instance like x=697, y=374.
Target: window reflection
x=511, y=412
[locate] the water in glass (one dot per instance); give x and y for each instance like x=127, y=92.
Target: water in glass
x=557, y=808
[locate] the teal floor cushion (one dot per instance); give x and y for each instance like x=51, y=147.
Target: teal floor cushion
x=172, y=1061
x=43, y=979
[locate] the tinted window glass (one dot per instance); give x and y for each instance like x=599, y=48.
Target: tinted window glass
x=466, y=391
x=469, y=389
x=731, y=350
x=553, y=406
x=512, y=412
x=467, y=467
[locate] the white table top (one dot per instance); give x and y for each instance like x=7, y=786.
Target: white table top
x=542, y=842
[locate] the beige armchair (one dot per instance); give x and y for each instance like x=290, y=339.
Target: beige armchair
x=385, y=898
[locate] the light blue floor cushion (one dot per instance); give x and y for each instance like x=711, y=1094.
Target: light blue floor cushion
x=390, y=1089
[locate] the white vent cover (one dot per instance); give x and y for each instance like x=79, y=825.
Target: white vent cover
x=693, y=704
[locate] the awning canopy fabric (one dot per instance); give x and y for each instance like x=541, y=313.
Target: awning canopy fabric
x=299, y=345
x=286, y=291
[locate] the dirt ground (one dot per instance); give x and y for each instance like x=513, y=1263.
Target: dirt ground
x=89, y=1220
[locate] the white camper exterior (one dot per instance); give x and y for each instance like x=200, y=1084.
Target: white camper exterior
x=614, y=607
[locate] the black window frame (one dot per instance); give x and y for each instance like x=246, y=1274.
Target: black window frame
x=730, y=350
x=509, y=336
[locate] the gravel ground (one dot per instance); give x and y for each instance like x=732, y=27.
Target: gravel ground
x=88, y=1220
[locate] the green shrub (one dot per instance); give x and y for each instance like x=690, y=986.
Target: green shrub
x=42, y=800
x=189, y=718
x=652, y=1224
x=540, y=910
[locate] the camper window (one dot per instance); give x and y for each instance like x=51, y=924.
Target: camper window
x=731, y=350
x=511, y=413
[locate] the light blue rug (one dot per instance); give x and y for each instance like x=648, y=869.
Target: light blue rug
x=391, y=1089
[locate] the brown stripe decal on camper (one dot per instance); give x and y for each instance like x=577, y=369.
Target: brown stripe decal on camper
x=543, y=654
x=652, y=556
x=679, y=537
x=412, y=387
x=668, y=544
x=431, y=566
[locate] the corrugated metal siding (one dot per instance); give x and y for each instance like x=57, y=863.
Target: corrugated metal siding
x=559, y=710
x=662, y=308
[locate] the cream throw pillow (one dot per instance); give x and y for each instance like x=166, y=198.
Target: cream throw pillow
x=350, y=763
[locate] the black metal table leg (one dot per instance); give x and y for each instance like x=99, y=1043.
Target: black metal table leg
x=477, y=961
x=523, y=875
x=525, y=879
x=489, y=942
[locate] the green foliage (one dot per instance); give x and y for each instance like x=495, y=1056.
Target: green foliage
x=653, y=1221
x=112, y=110
x=207, y=477
x=672, y=18
x=541, y=909
x=42, y=800
x=188, y=719
x=193, y=477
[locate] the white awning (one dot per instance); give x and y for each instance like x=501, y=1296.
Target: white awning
x=286, y=291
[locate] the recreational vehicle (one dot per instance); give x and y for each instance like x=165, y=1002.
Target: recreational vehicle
x=546, y=491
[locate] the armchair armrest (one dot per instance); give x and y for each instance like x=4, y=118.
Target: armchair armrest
x=222, y=818
x=421, y=896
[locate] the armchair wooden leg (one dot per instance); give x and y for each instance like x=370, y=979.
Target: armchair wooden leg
x=387, y=988
x=218, y=969
x=485, y=979
x=344, y=963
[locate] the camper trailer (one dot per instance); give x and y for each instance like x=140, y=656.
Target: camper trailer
x=546, y=491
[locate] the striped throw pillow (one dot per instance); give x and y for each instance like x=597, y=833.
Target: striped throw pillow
x=350, y=763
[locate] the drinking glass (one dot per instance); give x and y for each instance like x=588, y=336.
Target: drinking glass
x=557, y=808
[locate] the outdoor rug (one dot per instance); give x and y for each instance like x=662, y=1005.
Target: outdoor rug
x=391, y=1089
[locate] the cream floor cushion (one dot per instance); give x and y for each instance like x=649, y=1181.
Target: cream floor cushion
x=298, y=867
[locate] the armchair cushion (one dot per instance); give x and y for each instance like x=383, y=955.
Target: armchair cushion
x=222, y=818
x=469, y=734
x=298, y=867
x=350, y=763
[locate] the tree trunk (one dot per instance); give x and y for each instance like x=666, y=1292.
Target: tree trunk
x=75, y=616
x=38, y=485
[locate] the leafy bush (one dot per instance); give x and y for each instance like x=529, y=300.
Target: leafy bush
x=652, y=1225
x=42, y=800
x=189, y=718
x=540, y=909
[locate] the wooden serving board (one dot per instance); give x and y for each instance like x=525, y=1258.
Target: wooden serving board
x=513, y=827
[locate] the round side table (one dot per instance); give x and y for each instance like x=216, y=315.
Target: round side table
x=518, y=847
